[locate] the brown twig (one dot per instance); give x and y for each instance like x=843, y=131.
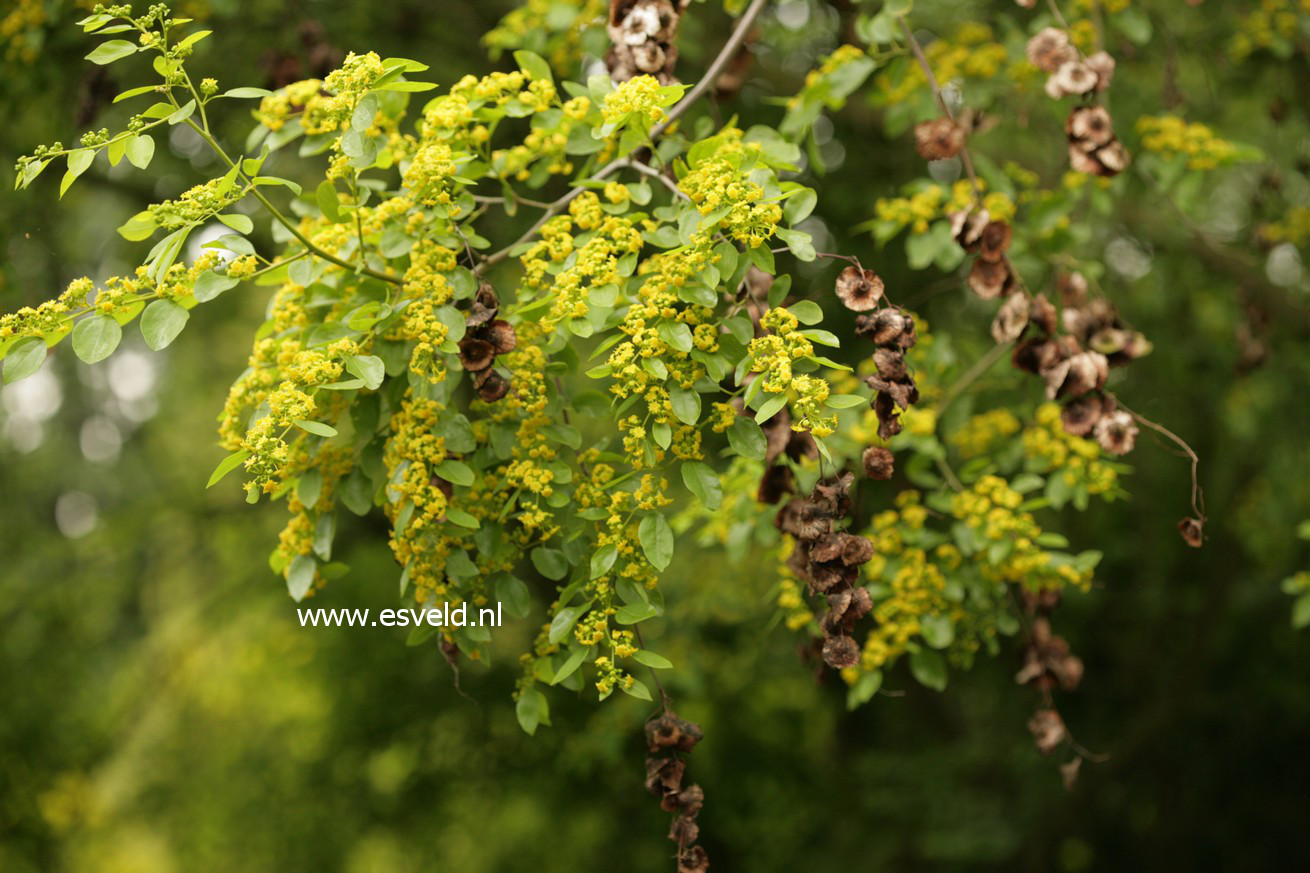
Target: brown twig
x=1198, y=495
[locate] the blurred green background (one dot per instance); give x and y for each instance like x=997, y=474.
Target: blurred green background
x=163, y=710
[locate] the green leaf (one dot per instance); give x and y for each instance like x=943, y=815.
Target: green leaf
x=24, y=358
x=329, y=203
x=238, y=222
x=227, y=465
x=138, y=227
x=534, y=65
x=846, y=401
x=78, y=161
x=929, y=669
x=210, y=284
x=95, y=338
x=139, y=150
x=770, y=408
x=569, y=667
x=300, y=576
x=702, y=482
x=550, y=563
x=634, y=613
x=113, y=50
x=162, y=321
x=563, y=622
x=652, y=660
x=686, y=404
x=370, y=368
x=603, y=560
x=455, y=472
x=531, y=710
x=656, y=540
x=317, y=428
x=310, y=487
x=638, y=690
x=513, y=593
x=247, y=93
x=937, y=630
x=806, y=312
x=676, y=334
x=458, y=516
x=747, y=439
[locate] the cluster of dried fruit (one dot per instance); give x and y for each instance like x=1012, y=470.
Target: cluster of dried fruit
x=667, y=737
x=486, y=337
x=892, y=331
x=1049, y=664
x=828, y=561
x=642, y=33
x=1093, y=146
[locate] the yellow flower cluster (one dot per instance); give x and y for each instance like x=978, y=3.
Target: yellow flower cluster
x=984, y=432
x=928, y=202
x=1061, y=453
x=1171, y=135
x=194, y=205
x=561, y=24
x=278, y=108
x=973, y=53
x=772, y=355
x=1294, y=228
x=719, y=186
x=428, y=175
x=1273, y=23
x=1005, y=538
x=639, y=96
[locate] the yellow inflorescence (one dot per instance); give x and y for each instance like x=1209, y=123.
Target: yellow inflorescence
x=1171, y=135
x=1078, y=460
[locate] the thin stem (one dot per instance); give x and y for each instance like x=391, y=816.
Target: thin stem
x=282, y=219
x=941, y=101
x=656, y=174
x=1198, y=496
x=1059, y=16
x=665, y=700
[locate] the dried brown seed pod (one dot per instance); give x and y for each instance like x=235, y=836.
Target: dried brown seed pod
x=484, y=306
x=967, y=227
x=860, y=290
x=1048, y=730
x=889, y=423
x=890, y=364
x=668, y=731
x=1073, y=77
x=1011, y=318
x=1049, y=49
x=1113, y=158
x=1072, y=288
x=1089, y=127
x=1116, y=432
x=1087, y=372
x=501, y=335
x=995, y=240
x=1192, y=531
x=879, y=463
x=856, y=550
x=885, y=326
x=840, y=652
x=1081, y=414
x=1042, y=313
x=1102, y=64
x=476, y=354
x=989, y=279
x=490, y=385
x=938, y=139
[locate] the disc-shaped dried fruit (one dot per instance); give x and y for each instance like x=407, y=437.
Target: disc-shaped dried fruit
x=995, y=240
x=988, y=279
x=1087, y=372
x=860, y=290
x=856, y=550
x=476, y=354
x=1049, y=49
x=1116, y=432
x=1081, y=414
x=1042, y=313
x=1103, y=66
x=1089, y=127
x=1192, y=531
x=484, y=307
x=491, y=386
x=1113, y=158
x=1011, y=318
x=967, y=226
x=1074, y=77
x=890, y=363
x=501, y=335
x=1048, y=730
x=670, y=732
x=879, y=463
x=840, y=652
x=884, y=326
x=938, y=139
